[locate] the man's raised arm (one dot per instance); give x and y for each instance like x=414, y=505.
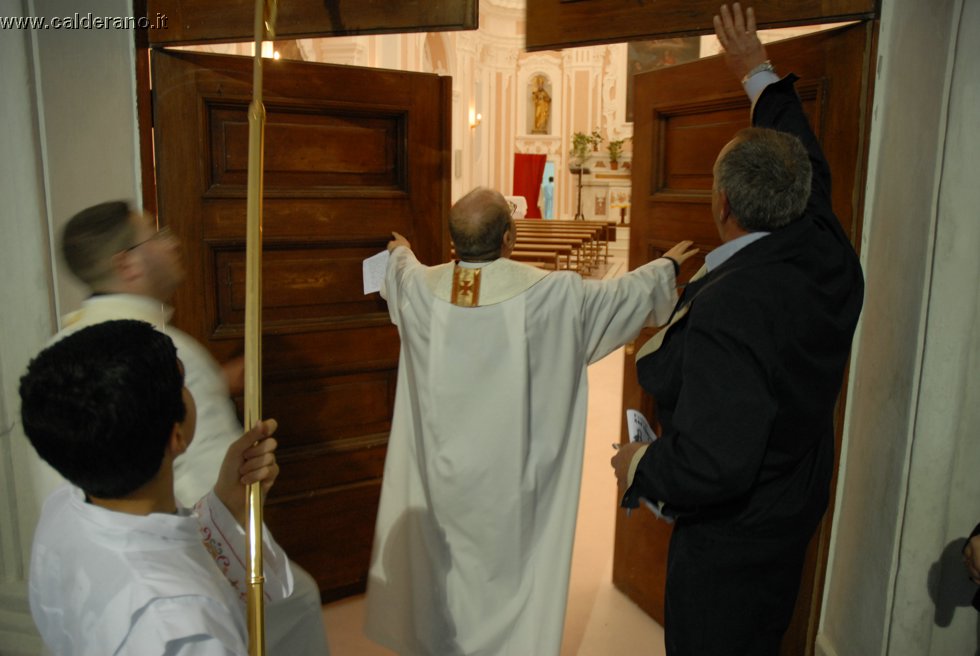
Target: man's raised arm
x=775, y=103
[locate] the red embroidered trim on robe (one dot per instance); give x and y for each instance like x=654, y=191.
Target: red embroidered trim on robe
x=466, y=287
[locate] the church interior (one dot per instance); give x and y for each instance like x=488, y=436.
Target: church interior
x=890, y=580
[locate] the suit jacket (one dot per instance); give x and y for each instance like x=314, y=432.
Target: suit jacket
x=746, y=382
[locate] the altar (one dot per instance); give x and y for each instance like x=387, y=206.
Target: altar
x=606, y=190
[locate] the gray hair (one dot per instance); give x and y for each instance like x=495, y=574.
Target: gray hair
x=478, y=222
x=766, y=177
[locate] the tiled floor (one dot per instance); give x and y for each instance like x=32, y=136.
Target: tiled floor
x=599, y=621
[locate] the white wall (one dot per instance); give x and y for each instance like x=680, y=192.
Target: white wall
x=908, y=486
x=24, y=251
x=68, y=141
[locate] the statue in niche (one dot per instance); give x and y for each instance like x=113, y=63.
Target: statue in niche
x=542, y=106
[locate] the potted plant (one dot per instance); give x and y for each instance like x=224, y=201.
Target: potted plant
x=595, y=139
x=580, y=149
x=615, y=148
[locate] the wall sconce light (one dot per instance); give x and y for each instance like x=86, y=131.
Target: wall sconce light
x=268, y=50
x=475, y=117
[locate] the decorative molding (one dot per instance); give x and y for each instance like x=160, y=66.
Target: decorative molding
x=603, y=173
x=466, y=43
x=347, y=51
x=544, y=59
x=498, y=55
x=538, y=145
x=614, y=82
x=583, y=57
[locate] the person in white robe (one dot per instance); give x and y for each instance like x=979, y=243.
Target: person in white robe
x=117, y=565
x=129, y=584
x=133, y=270
x=476, y=521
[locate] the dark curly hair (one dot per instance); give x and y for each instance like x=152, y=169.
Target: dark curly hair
x=99, y=406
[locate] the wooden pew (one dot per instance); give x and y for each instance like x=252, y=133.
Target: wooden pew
x=610, y=226
x=596, y=233
x=579, y=245
x=551, y=251
x=541, y=254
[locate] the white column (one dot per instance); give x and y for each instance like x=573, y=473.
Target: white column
x=70, y=140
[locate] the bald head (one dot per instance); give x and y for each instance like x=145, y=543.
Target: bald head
x=479, y=223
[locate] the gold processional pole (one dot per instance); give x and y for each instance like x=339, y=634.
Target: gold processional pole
x=265, y=18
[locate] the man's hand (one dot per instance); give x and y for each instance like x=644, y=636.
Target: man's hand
x=682, y=251
x=971, y=558
x=250, y=459
x=743, y=50
x=398, y=241
x=621, y=461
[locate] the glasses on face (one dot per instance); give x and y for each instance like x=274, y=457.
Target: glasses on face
x=162, y=234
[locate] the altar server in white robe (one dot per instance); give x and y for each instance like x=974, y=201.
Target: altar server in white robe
x=117, y=565
x=133, y=270
x=475, y=527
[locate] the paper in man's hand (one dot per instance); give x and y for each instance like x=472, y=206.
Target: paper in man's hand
x=640, y=431
x=638, y=427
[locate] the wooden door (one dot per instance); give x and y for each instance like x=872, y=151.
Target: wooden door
x=350, y=155
x=209, y=21
x=564, y=23
x=683, y=117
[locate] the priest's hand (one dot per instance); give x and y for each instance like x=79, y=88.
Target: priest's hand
x=250, y=459
x=737, y=34
x=398, y=241
x=682, y=251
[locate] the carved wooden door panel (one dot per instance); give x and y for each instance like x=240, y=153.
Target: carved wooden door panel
x=683, y=116
x=566, y=23
x=209, y=21
x=350, y=155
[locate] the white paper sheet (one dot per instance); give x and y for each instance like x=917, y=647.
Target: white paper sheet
x=373, y=270
x=640, y=431
x=638, y=426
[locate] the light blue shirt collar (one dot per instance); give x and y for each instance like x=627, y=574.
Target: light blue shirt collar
x=720, y=255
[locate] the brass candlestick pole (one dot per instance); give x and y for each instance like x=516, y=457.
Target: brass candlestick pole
x=265, y=16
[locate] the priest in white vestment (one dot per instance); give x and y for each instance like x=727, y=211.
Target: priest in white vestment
x=475, y=526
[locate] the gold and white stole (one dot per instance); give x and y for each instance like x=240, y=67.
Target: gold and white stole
x=466, y=287
x=490, y=284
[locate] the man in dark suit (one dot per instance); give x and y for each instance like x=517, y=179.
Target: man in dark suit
x=747, y=377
